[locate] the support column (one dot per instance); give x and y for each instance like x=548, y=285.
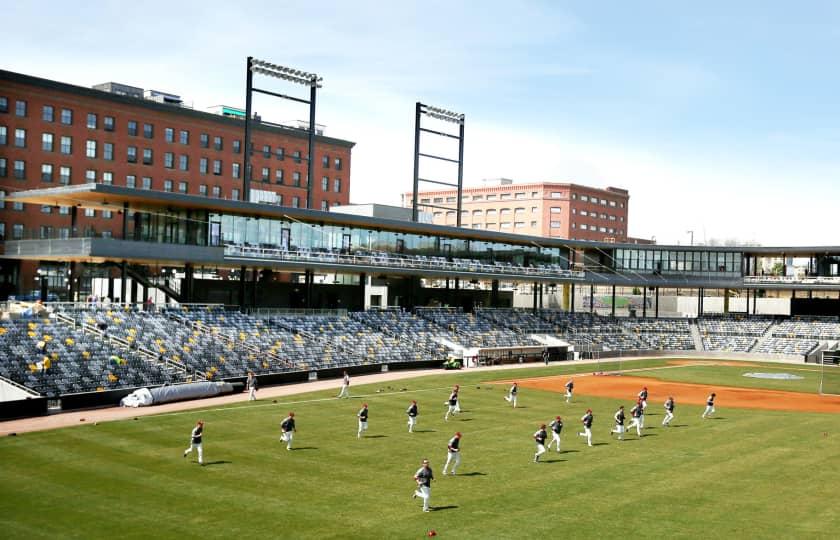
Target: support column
x=494, y=293
x=309, y=278
x=725, y=301
x=541, y=295
x=613, y=301
x=747, y=306
x=362, y=290
x=145, y=294
x=241, y=288
x=74, y=215
x=656, y=302
x=457, y=284
x=188, y=288
x=125, y=221
x=565, y=300
x=123, y=272
x=644, y=301
x=572, y=303
x=755, y=298
x=71, y=290
x=534, y=299
x=810, y=294
x=591, y=298
x=135, y=288
x=110, y=286
x=699, y=301
x=255, y=273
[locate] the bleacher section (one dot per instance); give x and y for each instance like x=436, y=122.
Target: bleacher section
x=96, y=348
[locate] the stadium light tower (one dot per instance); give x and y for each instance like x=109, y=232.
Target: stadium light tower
x=446, y=116
x=692, y=236
x=268, y=69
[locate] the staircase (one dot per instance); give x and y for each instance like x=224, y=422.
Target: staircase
x=764, y=337
x=695, y=335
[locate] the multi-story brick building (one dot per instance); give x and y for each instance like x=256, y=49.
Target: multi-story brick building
x=53, y=133
x=554, y=210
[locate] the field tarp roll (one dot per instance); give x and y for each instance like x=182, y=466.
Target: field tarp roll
x=180, y=392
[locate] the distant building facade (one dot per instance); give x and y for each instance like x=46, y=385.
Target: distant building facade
x=548, y=209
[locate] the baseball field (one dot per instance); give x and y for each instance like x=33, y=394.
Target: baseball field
x=767, y=465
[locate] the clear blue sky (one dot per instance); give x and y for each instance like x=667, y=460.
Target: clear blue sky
x=719, y=117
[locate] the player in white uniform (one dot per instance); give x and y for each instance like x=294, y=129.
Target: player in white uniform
x=587, y=419
x=251, y=384
x=556, y=426
x=453, y=453
x=287, y=430
x=643, y=395
x=710, y=406
x=363, y=420
x=619, y=423
x=195, y=442
x=540, y=437
x=451, y=403
x=570, y=386
x=458, y=400
x=412, y=416
x=424, y=477
x=511, y=397
x=636, y=414
x=345, y=386
x=669, y=411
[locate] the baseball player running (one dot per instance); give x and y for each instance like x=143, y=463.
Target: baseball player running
x=643, y=395
x=195, y=442
x=710, y=406
x=287, y=430
x=345, y=387
x=251, y=384
x=363, y=420
x=454, y=453
x=511, y=397
x=587, y=419
x=556, y=426
x=424, y=477
x=636, y=414
x=540, y=437
x=451, y=403
x=570, y=386
x=619, y=423
x=412, y=416
x=669, y=411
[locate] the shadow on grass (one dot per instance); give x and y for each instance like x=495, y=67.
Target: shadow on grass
x=425, y=431
x=449, y=507
x=599, y=444
x=474, y=473
x=569, y=451
x=305, y=448
x=220, y=462
x=552, y=460
x=678, y=425
x=645, y=435
x=464, y=419
x=374, y=436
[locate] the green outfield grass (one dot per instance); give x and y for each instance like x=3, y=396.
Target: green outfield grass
x=715, y=375
x=746, y=474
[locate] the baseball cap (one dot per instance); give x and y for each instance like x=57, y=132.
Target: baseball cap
x=364, y=405
x=542, y=426
x=588, y=410
x=457, y=433
x=414, y=401
x=558, y=418
x=291, y=413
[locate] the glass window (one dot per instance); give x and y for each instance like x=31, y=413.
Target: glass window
x=20, y=169
x=4, y=104
x=167, y=185
x=234, y=194
x=265, y=174
x=91, y=121
x=169, y=135
x=131, y=154
x=90, y=212
x=337, y=185
x=66, y=145
x=108, y=123
x=90, y=176
x=217, y=143
x=217, y=192
x=3, y=171
x=20, y=108
x=64, y=175
x=234, y=170
x=182, y=186
x=147, y=182
x=295, y=202
x=325, y=183
x=296, y=156
x=237, y=146
x=47, y=113
x=217, y=167
x=131, y=181
x=325, y=163
x=204, y=140
x=20, y=138
x=202, y=189
x=132, y=128
x=46, y=172
x=184, y=162
x=90, y=149
x=3, y=135
x=184, y=136
x=266, y=151
x=296, y=179
x=107, y=214
x=67, y=117
x=148, y=131
x=17, y=231
x=147, y=156
x=202, y=165
x=108, y=151
x=278, y=176
x=280, y=153
x=169, y=160
x=337, y=163
x=325, y=206
x=107, y=178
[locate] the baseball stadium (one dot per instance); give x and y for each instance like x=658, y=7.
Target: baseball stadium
x=408, y=310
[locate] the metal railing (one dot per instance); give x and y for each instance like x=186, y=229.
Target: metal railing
x=804, y=280
x=398, y=261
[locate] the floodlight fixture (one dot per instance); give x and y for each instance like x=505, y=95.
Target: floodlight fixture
x=286, y=73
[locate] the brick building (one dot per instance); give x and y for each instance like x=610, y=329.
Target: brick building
x=548, y=209
x=53, y=134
